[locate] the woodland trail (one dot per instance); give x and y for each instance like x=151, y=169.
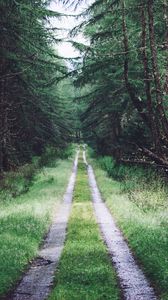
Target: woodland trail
x=133, y=282
x=36, y=283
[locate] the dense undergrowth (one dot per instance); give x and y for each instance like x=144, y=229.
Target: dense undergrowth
x=145, y=187
x=25, y=219
x=137, y=198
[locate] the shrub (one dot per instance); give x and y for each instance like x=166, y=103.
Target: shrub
x=108, y=164
x=15, y=183
x=51, y=153
x=145, y=187
x=67, y=152
x=91, y=152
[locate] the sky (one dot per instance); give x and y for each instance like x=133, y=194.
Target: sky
x=65, y=49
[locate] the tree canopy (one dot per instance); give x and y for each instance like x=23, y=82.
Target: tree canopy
x=35, y=108
x=119, y=100
x=125, y=66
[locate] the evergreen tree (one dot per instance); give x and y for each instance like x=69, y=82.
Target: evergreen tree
x=33, y=110
x=125, y=66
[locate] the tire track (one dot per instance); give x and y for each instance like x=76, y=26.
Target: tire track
x=133, y=282
x=37, y=282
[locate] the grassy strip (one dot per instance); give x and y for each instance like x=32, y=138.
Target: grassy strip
x=17, y=182
x=25, y=220
x=85, y=270
x=145, y=230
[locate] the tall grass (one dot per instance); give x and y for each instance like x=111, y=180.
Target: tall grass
x=137, y=199
x=25, y=219
x=18, y=182
x=145, y=187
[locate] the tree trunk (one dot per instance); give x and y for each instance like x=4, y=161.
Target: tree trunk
x=154, y=126
x=4, y=130
x=4, y=127
x=156, y=75
x=134, y=98
x=166, y=44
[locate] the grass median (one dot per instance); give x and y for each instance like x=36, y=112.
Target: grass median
x=85, y=271
x=25, y=220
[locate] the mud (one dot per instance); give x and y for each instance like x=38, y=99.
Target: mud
x=37, y=282
x=132, y=280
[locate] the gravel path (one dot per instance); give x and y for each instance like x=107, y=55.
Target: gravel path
x=37, y=282
x=132, y=280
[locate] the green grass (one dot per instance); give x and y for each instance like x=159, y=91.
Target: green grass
x=15, y=183
x=85, y=271
x=24, y=221
x=144, y=224
x=146, y=187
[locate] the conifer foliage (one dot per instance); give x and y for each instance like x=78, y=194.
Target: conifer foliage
x=33, y=109
x=122, y=110
x=126, y=67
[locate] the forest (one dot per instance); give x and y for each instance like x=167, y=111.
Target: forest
x=125, y=68
x=121, y=82
x=33, y=104
x=107, y=104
